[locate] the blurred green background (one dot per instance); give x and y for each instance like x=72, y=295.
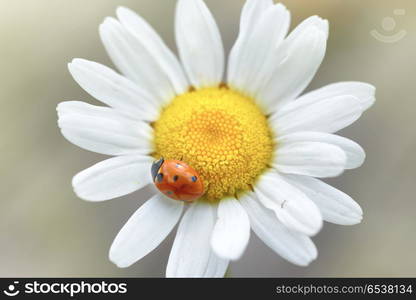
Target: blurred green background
x=45, y=230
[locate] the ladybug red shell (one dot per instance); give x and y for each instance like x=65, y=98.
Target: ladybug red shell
x=177, y=180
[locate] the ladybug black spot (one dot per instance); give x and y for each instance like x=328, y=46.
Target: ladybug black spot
x=193, y=178
x=159, y=177
x=175, y=178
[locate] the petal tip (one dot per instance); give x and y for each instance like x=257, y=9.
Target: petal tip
x=230, y=255
x=112, y=256
x=314, y=230
x=124, y=12
x=121, y=8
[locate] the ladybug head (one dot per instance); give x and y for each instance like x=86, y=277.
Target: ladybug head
x=156, y=166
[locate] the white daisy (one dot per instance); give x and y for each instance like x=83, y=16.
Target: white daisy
x=256, y=143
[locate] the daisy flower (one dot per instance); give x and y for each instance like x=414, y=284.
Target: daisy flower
x=257, y=144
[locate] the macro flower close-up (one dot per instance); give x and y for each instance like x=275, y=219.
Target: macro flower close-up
x=230, y=144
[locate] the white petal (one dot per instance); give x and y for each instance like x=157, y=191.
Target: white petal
x=113, y=178
x=355, y=154
x=254, y=46
x=149, y=38
x=291, y=206
x=136, y=61
x=191, y=254
x=199, y=43
x=232, y=230
x=336, y=206
x=102, y=129
x=113, y=89
x=326, y=115
x=364, y=92
x=291, y=245
x=312, y=21
x=292, y=67
x=145, y=230
x=250, y=16
x=310, y=158
x=216, y=266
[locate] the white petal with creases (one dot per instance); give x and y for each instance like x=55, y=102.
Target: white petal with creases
x=151, y=40
x=145, y=230
x=191, y=254
x=232, y=230
x=354, y=152
x=326, y=115
x=310, y=158
x=113, y=177
x=293, y=65
x=250, y=55
x=136, y=61
x=115, y=90
x=291, y=206
x=291, y=245
x=103, y=129
x=335, y=206
x=364, y=92
x=199, y=43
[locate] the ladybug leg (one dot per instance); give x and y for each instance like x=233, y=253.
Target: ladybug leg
x=251, y=187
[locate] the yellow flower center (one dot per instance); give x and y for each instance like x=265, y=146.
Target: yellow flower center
x=221, y=133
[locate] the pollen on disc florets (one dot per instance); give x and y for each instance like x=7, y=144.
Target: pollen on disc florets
x=221, y=133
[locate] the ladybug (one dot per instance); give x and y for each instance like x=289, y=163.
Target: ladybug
x=177, y=180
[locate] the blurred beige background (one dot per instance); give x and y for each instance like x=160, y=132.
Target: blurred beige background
x=45, y=230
